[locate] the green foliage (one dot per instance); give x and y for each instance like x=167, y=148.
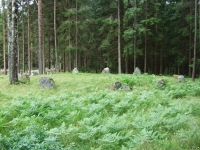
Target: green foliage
x=84, y=113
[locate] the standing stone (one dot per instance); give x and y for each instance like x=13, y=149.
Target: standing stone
x=75, y=71
x=24, y=78
x=161, y=84
x=181, y=78
x=117, y=85
x=46, y=82
x=137, y=71
x=106, y=70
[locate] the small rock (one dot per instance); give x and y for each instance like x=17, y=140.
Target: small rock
x=181, y=78
x=161, y=84
x=75, y=71
x=46, y=82
x=106, y=70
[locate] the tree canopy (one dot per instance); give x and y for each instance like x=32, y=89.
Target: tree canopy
x=156, y=35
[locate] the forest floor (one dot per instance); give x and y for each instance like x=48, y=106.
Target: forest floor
x=83, y=112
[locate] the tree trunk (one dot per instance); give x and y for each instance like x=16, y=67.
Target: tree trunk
x=195, y=42
x=135, y=22
x=43, y=48
x=189, y=48
x=119, y=38
x=12, y=41
x=23, y=49
x=64, y=61
x=199, y=28
x=4, y=37
x=40, y=51
x=76, y=59
x=161, y=61
x=29, y=50
x=69, y=53
x=145, y=44
x=49, y=48
x=126, y=61
x=55, y=39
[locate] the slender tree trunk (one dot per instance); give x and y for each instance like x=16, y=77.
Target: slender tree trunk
x=135, y=22
x=161, y=61
x=76, y=63
x=199, y=28
x=69, y=53
x=156, y=43
x=23, y=44
x=119, y=38
x=4, y=37
x=55, y=39
x=49, y=49
x=189, y=49
x=12, y=41
x=126, y=69
x=40, y=51
x=29, y=50
x=195, y=42
x=145, y=45
x=18, y=57
x=64, y=61
x=43, y=48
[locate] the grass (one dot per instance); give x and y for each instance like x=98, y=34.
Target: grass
x=82, y=112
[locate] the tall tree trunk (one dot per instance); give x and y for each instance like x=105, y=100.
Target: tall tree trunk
x=161, y=61
x=156, y=43
x=29, y=49
x=43, y=48
x=76, y=59
x=55, y=39
x=195, y=42
x=126, y=61
x=23, y=44
x=189, y=48
x=145, y=44
x=4, y=37
x=135, y=22
x=119, y=37
x=49, y=48
x=12, y=41
x=64, y=61
x=69, y=53
x=199, y=28
x=18, y=57
x=40, y=51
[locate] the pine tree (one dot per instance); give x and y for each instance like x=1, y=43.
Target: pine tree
x=12, y=41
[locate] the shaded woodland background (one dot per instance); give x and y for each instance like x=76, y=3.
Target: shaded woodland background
x=156, y=35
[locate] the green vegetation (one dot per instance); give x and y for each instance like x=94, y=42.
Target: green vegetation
x=84, y=113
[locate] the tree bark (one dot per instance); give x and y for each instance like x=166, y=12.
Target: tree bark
x=4, y=37
x=12, y=41
x=69, y=52
x=145, y=44
x=29, y=50
x=195, y=42
x=76, y=63
x=119, y=38
x=40, y=51
x=135, y=22
x=189, y=47
x=23, y=44
x=55, y=39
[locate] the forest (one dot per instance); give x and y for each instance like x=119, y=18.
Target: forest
x=158, y=36
x=91, y=110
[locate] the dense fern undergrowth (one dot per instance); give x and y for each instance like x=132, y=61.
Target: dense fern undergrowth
x=83, y=113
